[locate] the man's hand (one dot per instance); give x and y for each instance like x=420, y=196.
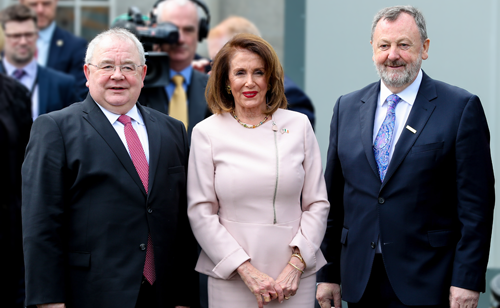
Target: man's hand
x=53, y=305
x=200, y=65
x=463, y=298
x=326, y=293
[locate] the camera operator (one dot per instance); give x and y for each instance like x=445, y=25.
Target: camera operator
x=184, y=97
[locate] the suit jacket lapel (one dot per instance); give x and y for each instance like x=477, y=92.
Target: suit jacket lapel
x=420, y=113
x=154, y=138
x=367, y=118
x=43, y=90
x=93, y=114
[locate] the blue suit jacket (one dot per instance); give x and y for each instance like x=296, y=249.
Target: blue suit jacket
x=434, y=210
x=56, y=90
x=67, y=55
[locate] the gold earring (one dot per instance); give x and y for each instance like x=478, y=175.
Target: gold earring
x=228, y=89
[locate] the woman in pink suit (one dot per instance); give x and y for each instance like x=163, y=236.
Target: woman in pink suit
x=257, y=198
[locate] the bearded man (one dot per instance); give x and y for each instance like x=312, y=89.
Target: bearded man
x=410, y=183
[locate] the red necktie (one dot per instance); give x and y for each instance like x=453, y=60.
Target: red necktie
x=142, y=167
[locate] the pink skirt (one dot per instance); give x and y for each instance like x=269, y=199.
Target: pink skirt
x=234, y=293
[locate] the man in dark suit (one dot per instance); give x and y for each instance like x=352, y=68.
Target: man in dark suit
x=15, y=124
x=57, y=48
x=50, y=90
x=410, y=182
x=104, y=194
x=185, y=17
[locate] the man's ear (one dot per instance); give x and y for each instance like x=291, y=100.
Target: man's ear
x=425, y=51
x=86, y=71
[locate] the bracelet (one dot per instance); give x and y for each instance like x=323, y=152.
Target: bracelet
x=298, y=256
x=296, y=267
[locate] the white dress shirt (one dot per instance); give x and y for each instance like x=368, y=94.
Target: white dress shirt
x=43, y=43
x=137, y=123
x=28, y=80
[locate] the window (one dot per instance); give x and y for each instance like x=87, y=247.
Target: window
x=85, y=18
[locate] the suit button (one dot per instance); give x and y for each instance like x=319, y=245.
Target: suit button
x=143, y=247
x=150, y=210
x=381, y=200
x=373, y=245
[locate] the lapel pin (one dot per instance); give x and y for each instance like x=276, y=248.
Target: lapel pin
x=411, y=129
x=59, y=43
x=285, y=131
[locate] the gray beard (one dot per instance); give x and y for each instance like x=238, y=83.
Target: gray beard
x=398, y=80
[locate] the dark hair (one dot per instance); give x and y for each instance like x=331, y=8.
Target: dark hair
x=216, y=94
x=17, y=12
x=392, y=13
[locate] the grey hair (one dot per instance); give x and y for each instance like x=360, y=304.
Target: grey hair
x=160, y=7
x=120, y=33
x=392, y=13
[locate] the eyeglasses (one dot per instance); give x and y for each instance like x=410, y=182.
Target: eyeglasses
x=109, y=69
x=29, y=36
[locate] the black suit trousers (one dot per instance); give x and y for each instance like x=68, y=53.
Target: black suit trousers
x=379, y=292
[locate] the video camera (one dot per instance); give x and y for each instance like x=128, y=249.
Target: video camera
x=163, y=33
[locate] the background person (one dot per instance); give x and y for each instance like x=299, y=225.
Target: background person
x=56, y=47
x=192, y=108
x=257, y=200
x=49, y=89
x=410, y=182
x=104, y=194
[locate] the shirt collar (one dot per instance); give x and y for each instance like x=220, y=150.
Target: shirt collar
x=30, y=69
x=408, y=95
x=46, y=34
x=186, y=73
x=113, y=117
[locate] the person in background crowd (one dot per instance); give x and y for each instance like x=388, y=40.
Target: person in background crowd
x=410, y=183
x=257, y=201
x=104, y=194
x=183, y=98
x=56, y=47
x=15, y=124
x=49, y=89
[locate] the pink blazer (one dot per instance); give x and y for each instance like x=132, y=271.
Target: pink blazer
x=244, y=194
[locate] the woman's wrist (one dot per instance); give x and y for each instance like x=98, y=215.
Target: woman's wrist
x=296, y=255
x=295, y=262
x=242, y=267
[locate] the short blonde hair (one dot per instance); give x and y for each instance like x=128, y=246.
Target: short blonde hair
x=233, y=25
x=216, y=94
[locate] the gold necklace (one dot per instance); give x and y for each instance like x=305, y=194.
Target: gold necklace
x=248, y=125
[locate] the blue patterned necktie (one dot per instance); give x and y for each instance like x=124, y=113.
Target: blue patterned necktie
x=383, y=141
x=18, y=74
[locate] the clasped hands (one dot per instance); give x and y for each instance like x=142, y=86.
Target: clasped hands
x=266, y=288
